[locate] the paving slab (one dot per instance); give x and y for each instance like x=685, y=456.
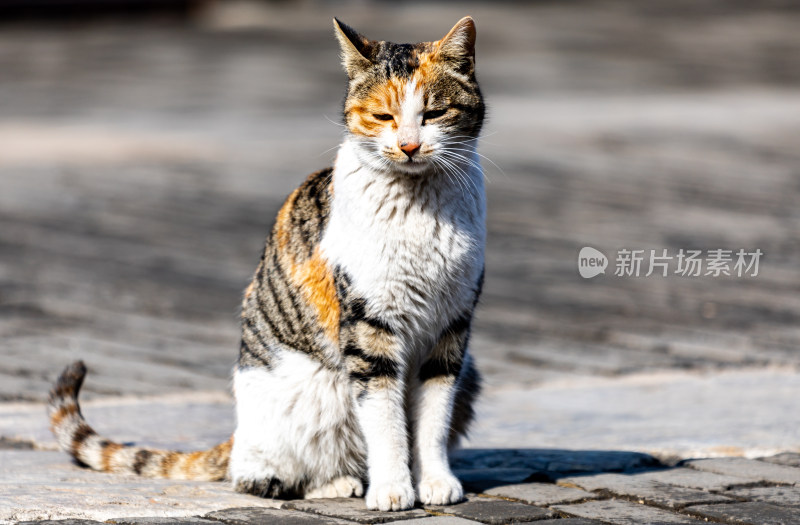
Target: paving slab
x=139, y=182
x=790, y=459
x=493, y=511
x=173, y=220
x=40, y=485
x=624, y=513
x=174, y=421
x=352, y=509
x=782, y=496
x=569, y=521
x=440, y=520
x=750, y=513
x=750, y=469
x=190, y=520
x=668, y=415
x=690, y=478
x=60, y=522
x=646, y=490
x=566, y=413
x=251, y=516
x=542, y=494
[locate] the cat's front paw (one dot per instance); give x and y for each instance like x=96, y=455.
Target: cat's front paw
x=269, y=487
x=440, y=490
x=393, y=495
x=341, y=487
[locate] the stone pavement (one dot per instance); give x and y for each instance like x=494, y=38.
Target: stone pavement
x=595, y=473
x=667, y=415
x=142, y=163
x=567, y=488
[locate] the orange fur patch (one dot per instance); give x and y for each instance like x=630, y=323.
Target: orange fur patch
x=65, y=411
x=315, y=278
x=208, y=464
x=167, y=462
x=248, y=292
x=190, y=461
x=224, y=449
x=283, y=223
x=107, y=454
x=384, y=99
x=426, y=71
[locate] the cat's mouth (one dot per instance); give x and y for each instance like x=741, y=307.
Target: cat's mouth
x=415, y=165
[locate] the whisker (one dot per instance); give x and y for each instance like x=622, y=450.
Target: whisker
x=458, y=156
x=484, y=157
x=447, y=174
x=333, y=122
x=469, y=179
x=449, y=167
x=455, y=156
x=328, y=150
x=462, y=180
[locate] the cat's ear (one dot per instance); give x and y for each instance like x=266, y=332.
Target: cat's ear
x=459, y=43
x=355, y=48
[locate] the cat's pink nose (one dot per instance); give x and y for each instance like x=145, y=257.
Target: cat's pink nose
x=409, y=148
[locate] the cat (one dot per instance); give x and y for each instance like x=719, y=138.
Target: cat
x=354, y=363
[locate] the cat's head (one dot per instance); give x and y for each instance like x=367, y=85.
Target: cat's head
x=412, y=108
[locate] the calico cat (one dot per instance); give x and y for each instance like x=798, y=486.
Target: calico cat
x=353, y=365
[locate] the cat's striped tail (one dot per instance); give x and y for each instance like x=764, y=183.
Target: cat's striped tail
x=76, y=437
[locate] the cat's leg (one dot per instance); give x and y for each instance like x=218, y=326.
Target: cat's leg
x=434, y=401
x=374, y=361
x=256, y=441
x=296, y=429
x=469, y=387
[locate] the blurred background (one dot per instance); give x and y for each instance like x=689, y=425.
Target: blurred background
x=145, y=147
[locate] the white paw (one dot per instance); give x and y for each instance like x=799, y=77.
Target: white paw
x=440, y=490
x=397, y=495
x=341, y=487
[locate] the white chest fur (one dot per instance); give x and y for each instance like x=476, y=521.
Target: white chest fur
x=413, y=246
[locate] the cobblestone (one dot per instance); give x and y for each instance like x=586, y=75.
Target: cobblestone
x=256, y=515
x=636, y=487
x=69, y=521
x=750, y=513
x=191, y=520
x=542, y=494
x=36, y=485
x=624, y=513
x=494, y=511
x=749, y=469
x=137, y=192
x=784, y=496
x=650, y=496
x=690, y=478
x=790, y=459
x=569, y=521
x=440, y=520
x=352, y=509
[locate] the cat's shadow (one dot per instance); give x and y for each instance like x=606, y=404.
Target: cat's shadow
x=482, y=469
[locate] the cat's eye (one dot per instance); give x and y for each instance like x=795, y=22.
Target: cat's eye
x=433, y=114
x=383, y=116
